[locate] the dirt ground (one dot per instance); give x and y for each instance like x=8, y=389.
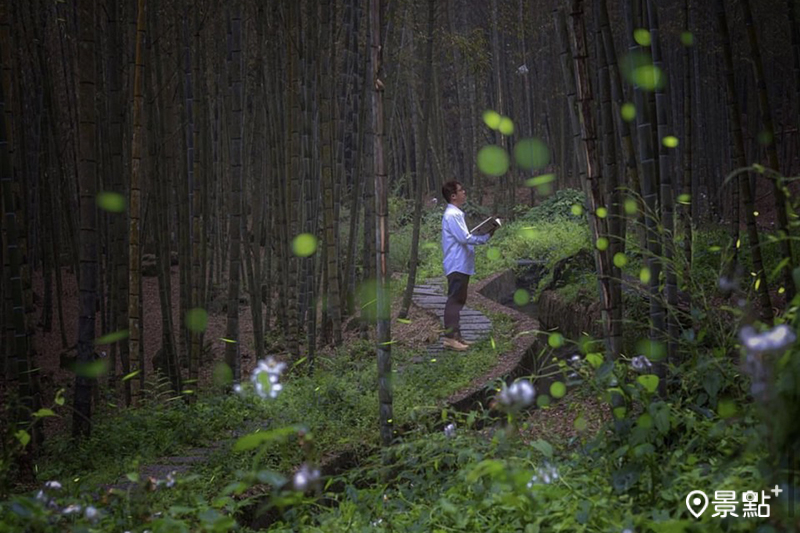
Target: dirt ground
x=415, y=333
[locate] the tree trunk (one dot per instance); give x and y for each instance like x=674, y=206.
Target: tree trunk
x=666, y=196
x=232, y=352
x=422, y=162
x=384, y=347
x=613, y=195
x=686, y=185
x=87, y=175
x=735, y=119
x=331, y=225
x=593, y=185
x=134, y=263
x=778, y=187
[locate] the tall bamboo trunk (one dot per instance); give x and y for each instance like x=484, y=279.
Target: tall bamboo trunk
x=667, y=195
x=87, y=130
x=134, y=263
x=614, y=200
x=686, y=185
x=735, y=119
x=369, y=271
x=17, y=365
x=632, y=180
x=649, y=189
x=422, y=162
x=778, y=186
x=232, y=352
x=293, y=182
x=384, y=347
x=200, y=176
x=333, y=293
x=568, y=72
x=593, y=184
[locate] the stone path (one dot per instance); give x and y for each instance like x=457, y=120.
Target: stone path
x=431, y=296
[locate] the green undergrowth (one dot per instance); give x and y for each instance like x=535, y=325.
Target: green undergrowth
x=633, y=474
x=334, y=409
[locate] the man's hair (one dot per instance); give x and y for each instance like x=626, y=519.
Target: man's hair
x=450, y=188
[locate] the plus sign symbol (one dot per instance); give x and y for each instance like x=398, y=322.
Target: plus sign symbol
x=777, y=490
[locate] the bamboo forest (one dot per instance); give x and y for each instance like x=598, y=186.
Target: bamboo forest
x=400, y=266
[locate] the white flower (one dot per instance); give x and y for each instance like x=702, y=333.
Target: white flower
x=266, y=376
x=55, y=485
x=575, y=359
x=522, y=70
x=775, y=340
x=92, y=513
x=237, y=388
x=435, y=200
x=641, y=363
x=450, y=430
x=72, y=509
x=171, y=479
x=520, y=394
x=376, y=522
x=305, y=477
x=546, y=474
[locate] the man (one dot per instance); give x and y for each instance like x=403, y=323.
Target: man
x=459, y=262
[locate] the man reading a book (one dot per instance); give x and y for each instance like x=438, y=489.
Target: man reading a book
x=459, y=261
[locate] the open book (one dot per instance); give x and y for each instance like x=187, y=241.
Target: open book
x=486, y=226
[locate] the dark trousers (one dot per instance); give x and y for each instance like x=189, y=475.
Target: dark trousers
x=456, y=298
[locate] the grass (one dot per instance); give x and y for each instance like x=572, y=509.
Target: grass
x=337, y=406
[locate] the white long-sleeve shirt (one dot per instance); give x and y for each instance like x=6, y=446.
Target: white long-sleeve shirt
x=458, y=242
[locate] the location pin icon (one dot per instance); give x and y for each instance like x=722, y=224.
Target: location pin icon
x=696, y=502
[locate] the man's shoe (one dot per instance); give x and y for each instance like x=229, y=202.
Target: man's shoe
x=454, y=344
x=464, y=342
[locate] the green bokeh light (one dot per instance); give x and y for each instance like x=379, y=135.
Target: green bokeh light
x=649, y=77
x=222, y=375
x=521, y=297
x=642, y=37
x=493, y=160
x=540, y=181
x=304, y=245
x=631, y=206
x=628, y=112
x=555, y=340
x=113, y=202
x=491, y=118
x=670, y=141
x=506, y=126
x=620, y=260
x=558, y=389
x=197, y=319
x=531, y=154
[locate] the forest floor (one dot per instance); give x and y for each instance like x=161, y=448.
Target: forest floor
x=414, y=334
